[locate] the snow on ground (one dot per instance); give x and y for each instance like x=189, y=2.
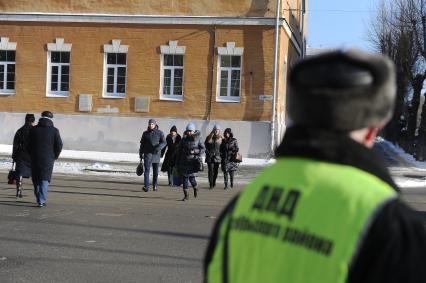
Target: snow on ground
x=96, y=163
x=410, y=183
x=76, y=162
x=405, y=156
x=120, y=157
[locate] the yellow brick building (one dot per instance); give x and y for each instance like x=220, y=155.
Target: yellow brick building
x=115, y=64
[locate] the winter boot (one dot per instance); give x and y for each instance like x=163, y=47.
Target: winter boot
x=19, y=188
x=231, y=179
x=186, y=197
x=195, y=192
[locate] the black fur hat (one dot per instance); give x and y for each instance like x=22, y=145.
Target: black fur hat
x=47, y=114
x=229, y=131
x=29, y=118
x=342, y=90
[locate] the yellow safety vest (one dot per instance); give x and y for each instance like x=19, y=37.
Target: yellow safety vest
x=300, y=220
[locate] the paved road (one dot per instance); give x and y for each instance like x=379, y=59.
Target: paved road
x=104, y=229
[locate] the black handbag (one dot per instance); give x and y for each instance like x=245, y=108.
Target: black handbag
x=139, y=168
x=11, y=177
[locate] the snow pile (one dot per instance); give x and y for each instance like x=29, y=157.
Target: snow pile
x=120, y=157
x=402, y=154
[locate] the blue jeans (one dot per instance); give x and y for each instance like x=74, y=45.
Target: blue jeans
x=40, y=190
x=147, y=167
x=189, y=179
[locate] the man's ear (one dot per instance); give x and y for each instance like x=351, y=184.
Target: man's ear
x=370, y=136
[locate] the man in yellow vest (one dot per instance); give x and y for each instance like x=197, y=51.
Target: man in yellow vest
x=327, y=210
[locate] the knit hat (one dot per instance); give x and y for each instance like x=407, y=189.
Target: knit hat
x=190, y=127
x=173, y=129
x=47, y=114
x=152, y=121
x=216, y=127
x=342, y=90
x=29, y=118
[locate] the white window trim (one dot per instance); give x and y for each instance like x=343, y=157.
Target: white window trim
x=115, y=47
x=58, y=46
x=229, y=50
x=171, y=49
x=6, y=45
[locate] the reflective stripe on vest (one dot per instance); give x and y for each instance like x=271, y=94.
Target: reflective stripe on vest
x=299, y=221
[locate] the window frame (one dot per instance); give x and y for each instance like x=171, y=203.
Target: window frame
x=228, y=98
x=5, y=90
x=50, y=64
x=115, y=94
x=171, y=97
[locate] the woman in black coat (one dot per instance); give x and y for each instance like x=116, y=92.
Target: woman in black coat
x=228, y=151
x=213, y=159
x=20, y=154
x=172, y=140
x=188, y=158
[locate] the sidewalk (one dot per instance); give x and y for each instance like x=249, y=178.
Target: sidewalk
x=120, y=164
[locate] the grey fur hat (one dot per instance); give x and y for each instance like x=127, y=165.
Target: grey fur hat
x=342, y=90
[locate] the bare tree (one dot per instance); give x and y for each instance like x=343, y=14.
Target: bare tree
x=399, y=32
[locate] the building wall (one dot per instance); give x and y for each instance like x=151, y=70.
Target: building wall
x=143, y=73
x=252, y=8
x=291, y=12
x=250, y=118
x=122, y=134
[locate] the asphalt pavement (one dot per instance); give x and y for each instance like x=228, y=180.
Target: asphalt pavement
x=105, y=229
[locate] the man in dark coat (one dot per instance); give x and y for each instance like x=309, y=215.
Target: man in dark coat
x=152, y=142
x=45, y=145
x=20, y=154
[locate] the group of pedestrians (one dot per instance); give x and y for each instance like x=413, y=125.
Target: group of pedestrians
x=35, y=149
x=221, y=150
x=183, y=156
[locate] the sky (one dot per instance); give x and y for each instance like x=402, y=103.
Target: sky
x=339, y=23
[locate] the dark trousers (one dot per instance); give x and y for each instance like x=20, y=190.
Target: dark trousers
x=213, y=168
x=187, y=180
x=170, y=175
x=231, y=178
x=147, y=166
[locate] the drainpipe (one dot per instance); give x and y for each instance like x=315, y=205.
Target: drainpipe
x=212, y=72
x=274, y=87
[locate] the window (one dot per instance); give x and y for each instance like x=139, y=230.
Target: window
x=58, y=73
x=115, y=83
x=229, y=73
x=171, y=76
x=115, y=69
x=172, y=81
x=7, y=71
x=230, y=77
x=58, y=68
